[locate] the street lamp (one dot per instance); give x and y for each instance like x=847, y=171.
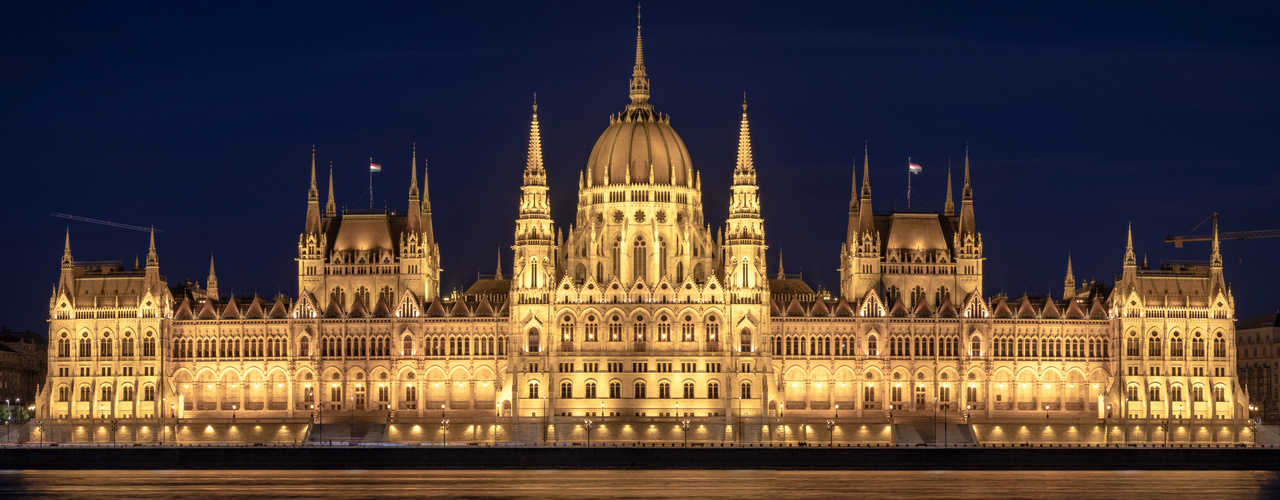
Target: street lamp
x=684, y=425
x=587, y=425
x=233, y=414
x=444, y=431
x=831, y=435
x=945, y=407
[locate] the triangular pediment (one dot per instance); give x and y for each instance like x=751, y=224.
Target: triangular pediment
x=278, y=309
x=899, y=308
x=1002, y=308
x=255, y=309
x=774, y=310
x=483, y=308
x=819, y=309
x=357, y=309
x=459, y=310
x=207, y=311
x=1074, y=311
x=794, y=308
x=333, y=311
x=922, y=310
x=505, y=309
x=436, y=310
x=947, y=310
x=184, y=310
x=843, y=309
x=381, y=309
x=1097, y=312
x=1050, y=309
x=1024, y=308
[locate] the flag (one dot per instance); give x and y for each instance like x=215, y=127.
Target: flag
x=913, y=167
x=374, y=167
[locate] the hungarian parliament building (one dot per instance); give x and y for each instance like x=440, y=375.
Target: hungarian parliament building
x=638, y=309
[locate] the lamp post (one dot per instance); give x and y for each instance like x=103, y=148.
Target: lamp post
x=173, y=412
x=831, y=434
x=684, y=425
x=40, y=429
x=587, y=425
x=233, y=414
x=114, y=425
x=102, y=410
x=444, y=432
x=945, y=407
x=1164, y=429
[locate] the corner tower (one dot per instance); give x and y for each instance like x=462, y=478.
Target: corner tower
x=534, y=263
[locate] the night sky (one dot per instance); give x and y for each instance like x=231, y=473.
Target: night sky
x=200, y=120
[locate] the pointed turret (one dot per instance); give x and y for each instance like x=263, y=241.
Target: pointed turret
x=866, y=225
x=639, y=80
x=330, y=208
x=497, y=274
x=967, y=225
x=414, y=215
x=851, y=229
x=212, y=287
x=1217, y=283
x=782, y=274
x=1130, y=258
x=742, y=250
x=428, y=228
x=67, y=261
x=950, y=207
x=313, y=226
x=1069, y=284
x=153, y=265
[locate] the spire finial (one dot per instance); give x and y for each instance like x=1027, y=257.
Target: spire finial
x=781, y=273
x=745, y=163
x=498, y=273
x=331, y=208
x=66, y=250
x=313, y=194
x=1070, y=275
x=744, y=101
x=639, y=81
x=866, y=169
x=533, y=164
x=426, y=189
x=1130, y=259
x=967, y=195
x=950, y=206
x=152, y=258
x=1215, y=259
x=413, y=174
x=211, y=273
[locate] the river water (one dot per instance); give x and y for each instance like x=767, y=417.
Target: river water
x=592, y=484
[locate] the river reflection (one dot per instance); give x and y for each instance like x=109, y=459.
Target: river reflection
x=285, y=484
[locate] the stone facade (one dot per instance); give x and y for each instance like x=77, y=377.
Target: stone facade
x=638, y=309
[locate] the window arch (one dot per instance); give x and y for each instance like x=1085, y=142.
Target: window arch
x=640, y=328
x=975, y=346
x=617, y=256
x=406, y=345
x=106, y=393
x=304, y=346
x=64, y=346
x=744, y=338
x=1197, y=393
x=664, y=390
x=1219, y=348
x=615, y=328
x=1175, y=393
x=1153, y=393
x=533, y=340
x=662, y=256
x=713, y=329
x=639, y=389
x=566, y=329
x=1175, y=346
x=688, y=390
x=591, y=390
x=615, y=389
x=746, y=391
x=86, y=346
x=127, y=393
x=533, y=389
x=1154, y=345
x=104, y=345
x=664, y=328
x=1131, y=392
x=713, y=390
x=639, y=258
x=687, y=328
x=872, y=347
x=566, y=390
x=592, y=329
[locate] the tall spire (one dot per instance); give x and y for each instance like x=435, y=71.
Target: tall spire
x=67, y=261
x=152, y=258
x=211, y=288
x=866, y=222
x=313, y=194
x=497, y=275
x=950, y=207
x=782, y=274
x=533, y=164
x=426, y=189
x=331, y=208
x=414, y=217
x=413, y=174
x=1069, y=283
x=745, y=163
x=866, y=170
x=851, y=230
x=1215, y=259
x=967, y=195
x=639, y=80
x=1130, y=259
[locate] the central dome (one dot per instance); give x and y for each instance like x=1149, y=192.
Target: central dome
x=641, y=140
x=649, y=147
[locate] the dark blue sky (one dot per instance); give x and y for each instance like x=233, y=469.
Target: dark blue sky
x=199, y=120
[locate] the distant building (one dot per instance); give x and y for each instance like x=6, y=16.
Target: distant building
x=639, y=309
x=22, y=365
x=1258, y=344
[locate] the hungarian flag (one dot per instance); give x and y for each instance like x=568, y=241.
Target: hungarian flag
x=374, y=167
x=913, y=167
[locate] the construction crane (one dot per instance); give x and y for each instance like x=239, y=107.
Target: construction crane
x=105, y=223
x=1236, y=235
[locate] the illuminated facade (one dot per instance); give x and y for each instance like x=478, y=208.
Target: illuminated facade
x=638, y=309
